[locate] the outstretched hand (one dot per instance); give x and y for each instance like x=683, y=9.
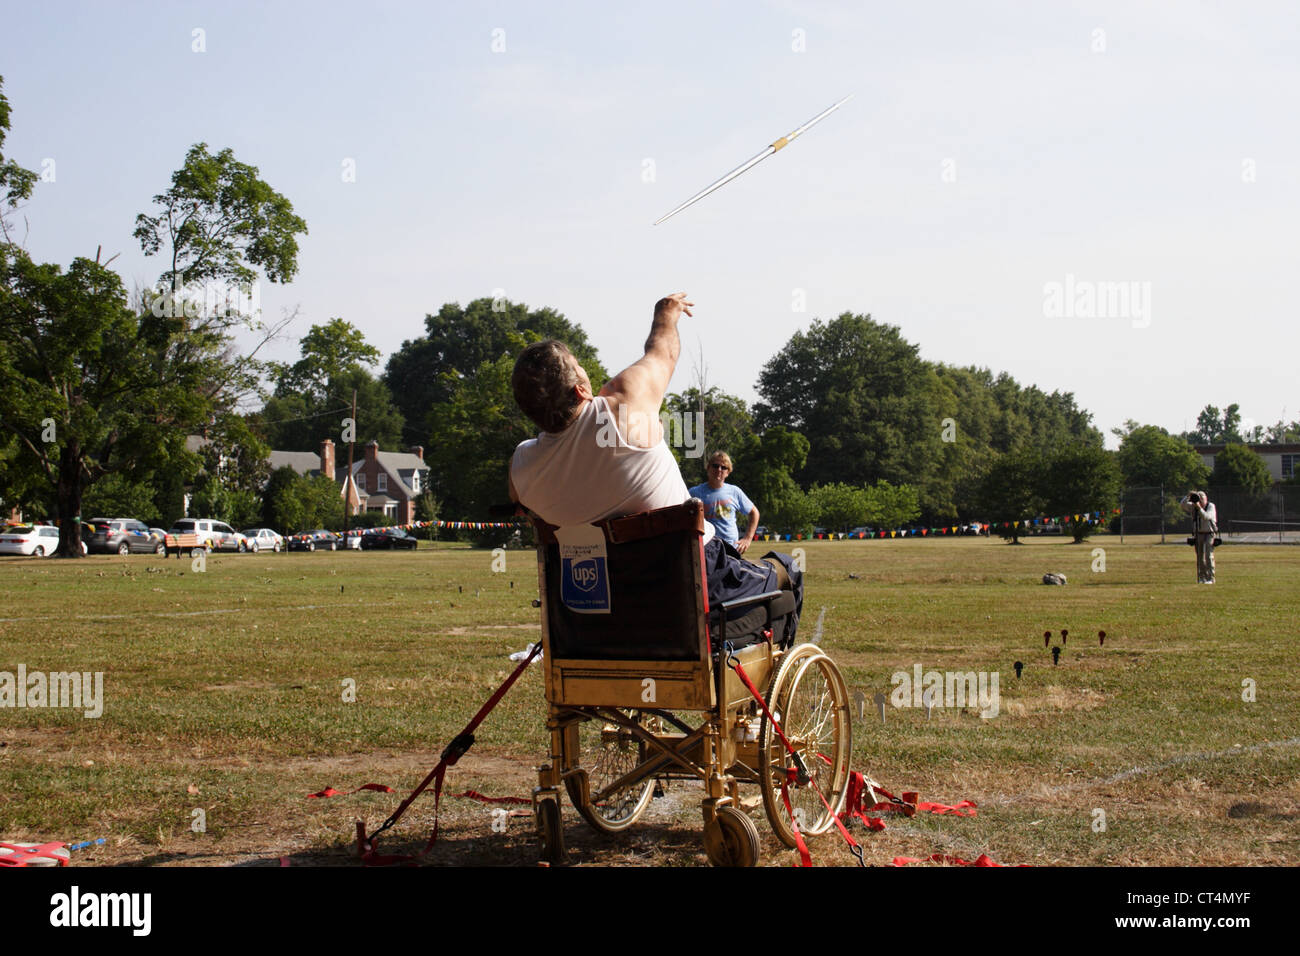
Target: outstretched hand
x=672, y=306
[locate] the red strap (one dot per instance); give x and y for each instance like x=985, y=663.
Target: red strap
x=437, y=774
x=20, y=855
x=805, y=858
x=811, y=779
x=331, y=792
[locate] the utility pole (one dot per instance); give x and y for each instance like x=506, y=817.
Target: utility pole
x=348, y=482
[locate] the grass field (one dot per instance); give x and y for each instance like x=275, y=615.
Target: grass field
x=224, y=692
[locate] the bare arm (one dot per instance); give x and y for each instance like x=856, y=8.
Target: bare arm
x=743, y=544
x=639, y=389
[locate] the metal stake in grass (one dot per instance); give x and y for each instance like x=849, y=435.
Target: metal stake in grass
x=1019, y=666
x=751, y=163
x=1047, y=638
x=1101, y=638
x=1056, y=656
x=880, y=705
x=1064, y=635
x=861, y=699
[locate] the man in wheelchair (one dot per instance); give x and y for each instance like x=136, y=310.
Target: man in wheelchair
x=603, y=455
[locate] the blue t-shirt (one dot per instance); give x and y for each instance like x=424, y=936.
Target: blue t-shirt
x=722, y=507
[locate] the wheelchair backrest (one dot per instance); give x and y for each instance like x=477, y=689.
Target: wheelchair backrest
x=657, y=595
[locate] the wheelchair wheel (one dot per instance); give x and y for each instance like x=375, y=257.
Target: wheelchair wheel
x=732, y=839
x=606, y=752
x=809, y=699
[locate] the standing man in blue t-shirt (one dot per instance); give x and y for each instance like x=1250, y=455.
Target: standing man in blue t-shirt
x=723, y=502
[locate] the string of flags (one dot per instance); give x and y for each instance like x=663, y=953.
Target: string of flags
x=463, y=525
x=986, y=527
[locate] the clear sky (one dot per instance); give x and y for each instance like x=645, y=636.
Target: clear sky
x=998, y=164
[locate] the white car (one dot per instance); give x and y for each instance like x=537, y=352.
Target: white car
x=214, y=535
x=352, y=540
x=263, y=539
x=41, y=540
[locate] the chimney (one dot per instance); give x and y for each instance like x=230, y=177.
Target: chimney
x=418, y=451
x=327, y=458
x=372, y=450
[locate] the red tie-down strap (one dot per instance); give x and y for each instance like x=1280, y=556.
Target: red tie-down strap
x=20, y=855
x=366, y=843
x=734, y=663
x=331, y=792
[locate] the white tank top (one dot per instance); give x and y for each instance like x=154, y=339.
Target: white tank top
x=589, y=472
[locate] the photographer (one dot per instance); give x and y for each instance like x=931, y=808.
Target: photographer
x=1205, y=528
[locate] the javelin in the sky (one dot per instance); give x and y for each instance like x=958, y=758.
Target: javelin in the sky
x=780, y=143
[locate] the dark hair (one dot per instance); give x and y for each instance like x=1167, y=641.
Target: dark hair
x=543, y=383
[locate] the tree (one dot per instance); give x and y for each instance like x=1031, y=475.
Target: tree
x=892, y=506
x=1149, y=456
x=873, y=410
x=1239, y=467
x=1010, y=492
x=220, y=221
x=840, y=506
x=85, y=395
x=473, y=423
x=1215, y=429
x=717, y=422
x=424, y=372
x=1080, y=478
x=313, y=396
x=766, y=466
x=16, y=183
x=94, y=387
x=856, y=390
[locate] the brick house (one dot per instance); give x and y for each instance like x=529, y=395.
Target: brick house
x=385, y=481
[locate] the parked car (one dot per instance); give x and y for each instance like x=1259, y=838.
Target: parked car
x=352, y=540
x=123, y=536
x=318, y=540
x=41, y=540
x=263, y=539
x=862, y=531
x=388, y=538
x=213, y=535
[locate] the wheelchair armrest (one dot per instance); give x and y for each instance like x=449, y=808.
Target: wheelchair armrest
x=728, y=606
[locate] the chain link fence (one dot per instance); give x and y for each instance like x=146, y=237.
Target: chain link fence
x=1245, y=516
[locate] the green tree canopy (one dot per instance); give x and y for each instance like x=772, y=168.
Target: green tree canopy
x=219, y=220
x=15, y=182
x=1080, y=478
x=1150, y=457
x=425, y=371
x=1010, y=492
x=1239, y=467
x=313, y=396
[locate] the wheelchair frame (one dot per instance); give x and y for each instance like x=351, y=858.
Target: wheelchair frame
x=614, y=730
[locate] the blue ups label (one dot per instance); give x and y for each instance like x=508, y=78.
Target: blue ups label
x=584, y=569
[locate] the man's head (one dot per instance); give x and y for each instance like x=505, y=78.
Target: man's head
x=718, y=468
x=549, y=384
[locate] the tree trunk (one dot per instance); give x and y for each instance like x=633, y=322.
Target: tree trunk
x=69, y=500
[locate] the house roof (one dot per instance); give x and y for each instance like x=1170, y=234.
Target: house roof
x=399, y=465
x=305, y=463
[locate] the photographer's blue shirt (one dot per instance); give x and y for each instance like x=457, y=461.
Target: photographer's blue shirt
x=722, y=507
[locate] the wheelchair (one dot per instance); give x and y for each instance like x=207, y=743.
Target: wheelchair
x=622, y=686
